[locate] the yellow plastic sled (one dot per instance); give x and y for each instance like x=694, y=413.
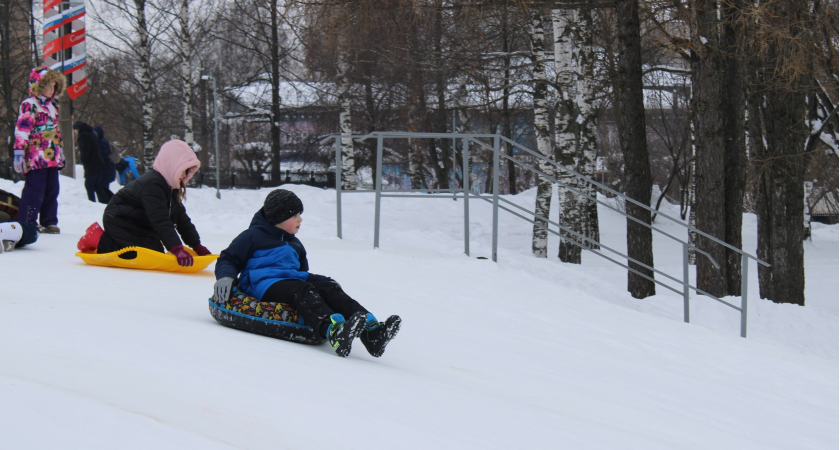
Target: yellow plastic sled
x=148, y=260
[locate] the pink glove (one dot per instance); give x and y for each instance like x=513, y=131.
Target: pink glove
x=184, y=257
x=201, y=250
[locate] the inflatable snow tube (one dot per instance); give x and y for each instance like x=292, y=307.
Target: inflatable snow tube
x=147, y=260
x=276, y=320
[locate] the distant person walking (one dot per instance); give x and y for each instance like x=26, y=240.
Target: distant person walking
x=38, y=149
x=88, y=145
x=110, y=157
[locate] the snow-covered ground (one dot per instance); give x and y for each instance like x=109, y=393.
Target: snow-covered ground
x=523, y=353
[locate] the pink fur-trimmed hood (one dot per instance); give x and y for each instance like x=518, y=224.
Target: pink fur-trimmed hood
x=175, y=158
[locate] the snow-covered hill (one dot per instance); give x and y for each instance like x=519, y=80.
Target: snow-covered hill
x=524, y=353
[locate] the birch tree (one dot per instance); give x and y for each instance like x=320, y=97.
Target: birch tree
x=348, y=165
x=566, y=32
x=539, y=241
x=575, y=127
x=144, y=76
x=186, y=70
x=586, y=99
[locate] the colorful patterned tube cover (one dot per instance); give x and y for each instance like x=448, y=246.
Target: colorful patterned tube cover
x=277, y=320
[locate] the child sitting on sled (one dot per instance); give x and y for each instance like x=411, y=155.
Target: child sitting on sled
x=270, y=265
x=150, y=210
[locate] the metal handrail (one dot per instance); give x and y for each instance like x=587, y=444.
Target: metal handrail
x=618, y=194
x=595, y=199
x=468, y=138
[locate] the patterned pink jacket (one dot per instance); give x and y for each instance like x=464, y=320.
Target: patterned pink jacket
x=37, y=137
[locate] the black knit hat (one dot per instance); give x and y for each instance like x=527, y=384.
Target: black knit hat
x=281, y=205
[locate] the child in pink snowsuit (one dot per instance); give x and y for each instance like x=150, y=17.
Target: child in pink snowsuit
x=38, y=148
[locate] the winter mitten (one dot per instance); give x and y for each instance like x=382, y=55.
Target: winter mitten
x=183, y=256
x=201, y=250
x=223, y=288
x=341, y=333
x=376, y=335
x=90, y=241
x=18, y=163
x=10, y=234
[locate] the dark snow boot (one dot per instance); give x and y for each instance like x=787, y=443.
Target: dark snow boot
x=376, y=335
x=341, y=333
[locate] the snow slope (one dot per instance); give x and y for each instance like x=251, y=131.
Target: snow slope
x=524, y=353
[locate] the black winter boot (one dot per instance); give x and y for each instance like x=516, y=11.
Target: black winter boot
x=376, y=337
x=341, y=333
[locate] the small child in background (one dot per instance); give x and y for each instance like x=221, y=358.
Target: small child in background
x=14, y=234
x=270, y=265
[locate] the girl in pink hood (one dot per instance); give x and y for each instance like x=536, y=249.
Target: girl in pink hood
x=149, y=211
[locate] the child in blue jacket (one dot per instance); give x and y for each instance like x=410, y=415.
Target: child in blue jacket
x=269, y=263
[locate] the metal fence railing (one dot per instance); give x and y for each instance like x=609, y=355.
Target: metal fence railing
x=466, y=192
x=241, y=179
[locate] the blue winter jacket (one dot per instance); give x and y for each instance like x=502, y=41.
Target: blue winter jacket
x=261, y=256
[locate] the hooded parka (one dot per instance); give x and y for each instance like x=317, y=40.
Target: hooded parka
x=148, y=210
x=37, y=137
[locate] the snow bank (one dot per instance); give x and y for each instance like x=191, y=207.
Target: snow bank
x=525, y=353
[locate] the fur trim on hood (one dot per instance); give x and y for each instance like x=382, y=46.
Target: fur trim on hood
x=174, y=159
x=41, y=76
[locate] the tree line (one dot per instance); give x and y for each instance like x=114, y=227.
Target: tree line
x=728, y=106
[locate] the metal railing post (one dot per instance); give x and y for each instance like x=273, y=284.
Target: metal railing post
x=744, y=283
x=495, y=196
x=686, y=283
x=465, y=186
x=338, y=186
x=378, y=185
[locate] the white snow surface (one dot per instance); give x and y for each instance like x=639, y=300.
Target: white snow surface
x=524, y=353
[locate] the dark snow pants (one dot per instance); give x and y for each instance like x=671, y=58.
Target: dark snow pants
x=39, y=196
x=30, y=234
x=315, y=301
x=95, y=184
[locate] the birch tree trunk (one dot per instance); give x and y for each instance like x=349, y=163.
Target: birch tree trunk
x=565, y=23
x=348, y=165
x=706, y=82
x=145, y=79
x=692, y=204
x=631, y=129
x=186, y=71
x=460, y=101
x=539, y=242
x=588, y=145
